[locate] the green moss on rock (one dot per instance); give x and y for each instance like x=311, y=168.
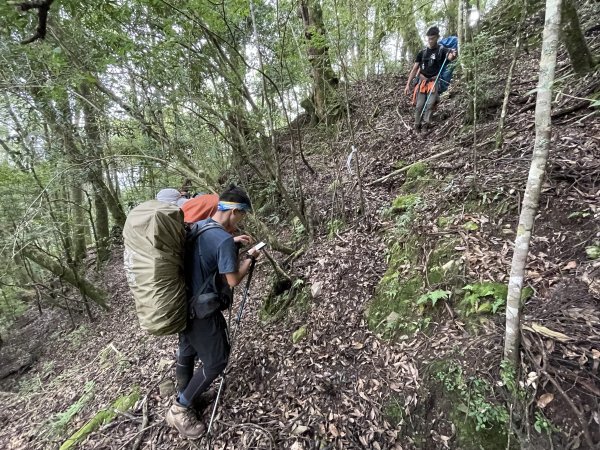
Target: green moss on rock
x=417, y=170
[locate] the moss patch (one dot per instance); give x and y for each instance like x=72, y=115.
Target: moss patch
x=404, y=203
x=393, y=310
x=120, y=405
x=468, y=402
x=415, y=171
x=299, y=334
x=285, y=294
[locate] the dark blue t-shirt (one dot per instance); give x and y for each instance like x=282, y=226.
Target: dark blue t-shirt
x=214, y=252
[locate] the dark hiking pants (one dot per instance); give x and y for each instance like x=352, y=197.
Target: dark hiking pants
x=206, y=339
x=425, y=116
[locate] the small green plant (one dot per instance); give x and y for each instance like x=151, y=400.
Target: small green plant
x=333, y=227
x=593, y=251
x=405, y=203
x=471, y=226
x=433, y=297
x=484, y=298
x=58, y=424
x=417, y=170
x=542, y=424
x=298, y=230
x=472, y=394
x=393, y=410
x=579, y=215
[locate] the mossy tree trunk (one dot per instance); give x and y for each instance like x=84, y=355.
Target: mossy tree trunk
x=325, y=81
x=78, y=220
x=452, y=17
x=572, y=36
x=64, y=273
x=94, y=147
x=410, y=34
x=534, y=181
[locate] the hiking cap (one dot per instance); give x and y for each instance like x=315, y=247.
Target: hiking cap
x=168, y=195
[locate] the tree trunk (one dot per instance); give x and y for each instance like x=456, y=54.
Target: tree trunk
x=85, y=287
x=102, y=227
x=511, y=69
x=460, y=19
x=410, y=34
x=572, y=36
x=325, y=81
x=452, y=17
x=534, y=181
x=78, y=220
x=94, y=148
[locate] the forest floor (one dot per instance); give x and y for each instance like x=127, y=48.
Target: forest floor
x=343, y=385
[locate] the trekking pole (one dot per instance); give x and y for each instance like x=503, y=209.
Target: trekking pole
x=238, y=319
x=434, y=85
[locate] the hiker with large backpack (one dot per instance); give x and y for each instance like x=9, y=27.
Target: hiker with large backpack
x=429, y=65
x=211, y=270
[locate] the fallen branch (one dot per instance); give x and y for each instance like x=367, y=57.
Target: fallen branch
x=405, y=168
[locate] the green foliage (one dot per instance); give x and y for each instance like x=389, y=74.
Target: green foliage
x=11, y=307
x=593, y=251
x=473, y=395
x=542, y=425
x=482, y=84
x=433, y=297
x=299, y=334
x=58, y=424
x=285, y=297
x=404, y=203
x=393, y=410
x=470, y=226
x=333, y=227
x=483, y=297
x=298, y=230
x=417, y=170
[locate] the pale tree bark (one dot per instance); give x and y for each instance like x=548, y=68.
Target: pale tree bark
x=534, y=181
x=460, y=15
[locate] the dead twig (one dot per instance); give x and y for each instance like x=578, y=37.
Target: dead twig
x=405, y=168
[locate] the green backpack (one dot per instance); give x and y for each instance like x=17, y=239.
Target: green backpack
x=154, y=238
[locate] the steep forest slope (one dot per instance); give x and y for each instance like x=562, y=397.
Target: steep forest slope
x=390, y=335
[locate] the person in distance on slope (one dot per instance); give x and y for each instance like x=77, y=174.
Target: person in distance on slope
x=428, y=64
x=211, y=271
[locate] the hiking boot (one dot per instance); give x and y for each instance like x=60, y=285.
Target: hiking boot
x=184, y=420
x=417, y=128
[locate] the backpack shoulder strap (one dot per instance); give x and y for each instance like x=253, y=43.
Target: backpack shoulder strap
x=197, y=230
x=192, y=236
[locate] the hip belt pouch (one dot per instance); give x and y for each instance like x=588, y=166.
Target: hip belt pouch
x=203, y=305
